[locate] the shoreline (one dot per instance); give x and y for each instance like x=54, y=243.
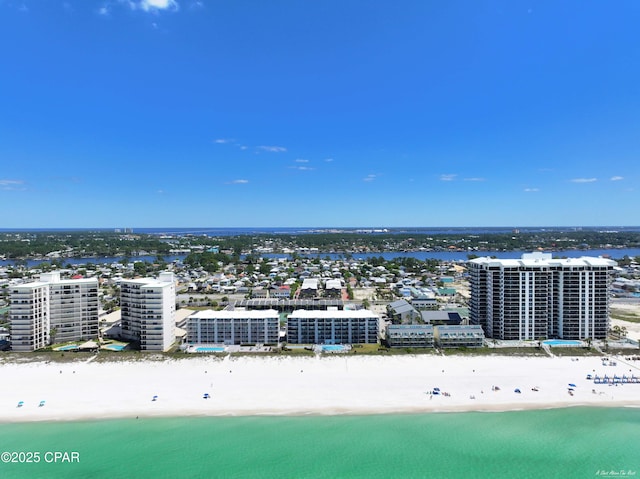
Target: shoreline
x=319, y=414
x=318, y=386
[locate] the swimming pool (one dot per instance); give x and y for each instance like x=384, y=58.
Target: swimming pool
x=70, y=347
x=115, y=347
x=333, y=348
x=562, y=342
x=208, y=350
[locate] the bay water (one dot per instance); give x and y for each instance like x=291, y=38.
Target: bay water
x=553, y=443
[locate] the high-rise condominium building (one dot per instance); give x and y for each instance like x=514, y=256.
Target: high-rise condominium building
x=541, y=297
x=148, y=308
x=53, y=310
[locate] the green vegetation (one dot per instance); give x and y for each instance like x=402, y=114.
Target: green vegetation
x=493, y=351
x=575, y=352
x=21, y=245
x=81, y=243
x=625, y=315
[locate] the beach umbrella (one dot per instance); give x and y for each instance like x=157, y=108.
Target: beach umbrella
x=21, y=403
x=155, y=398
x=41, y=404
x=572, y=385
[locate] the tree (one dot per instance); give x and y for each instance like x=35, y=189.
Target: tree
x=265, y=268
x=140, y=267
x=349, y=291
x=623, y=331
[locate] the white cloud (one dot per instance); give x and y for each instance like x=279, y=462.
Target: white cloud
x=531, y=190
x=328, y=160
x=104, y=10
x=617, y=178
x=448, y=177
x=156, y=5
x=152, y=5
x=584, y=180
x=222, y=141
x=369, y=178
x=273, y=149
x=238, y=182
x=302, y=168
x=474, y=179
x=300, y=160
x=11, y=185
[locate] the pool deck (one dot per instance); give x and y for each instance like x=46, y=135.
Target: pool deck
x=563, y=343
x=227, y=348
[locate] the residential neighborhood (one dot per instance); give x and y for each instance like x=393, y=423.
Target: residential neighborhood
x=163, y=306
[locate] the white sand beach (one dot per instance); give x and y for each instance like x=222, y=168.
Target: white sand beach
x=298, y=386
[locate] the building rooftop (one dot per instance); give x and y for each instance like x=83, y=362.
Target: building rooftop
x=338, y=314
x=544, y=259
x=448, y=316
x=236, y=314
x=408, y=327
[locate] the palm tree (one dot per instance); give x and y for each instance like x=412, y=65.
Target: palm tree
x=623, y=332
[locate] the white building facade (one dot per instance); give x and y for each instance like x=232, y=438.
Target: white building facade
x=541, y=297
x=233, y=327
x=333, y=327
x=53, y=310
x=148, y=307
x=29, y=316
x=73, y=308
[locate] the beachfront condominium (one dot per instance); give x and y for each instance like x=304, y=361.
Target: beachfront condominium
x=148, y=307
x=541, y=297
x=233, y=327
x=332, y=326
x=53, y=310
x=29, y=316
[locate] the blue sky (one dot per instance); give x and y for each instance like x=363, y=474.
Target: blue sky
x=152, y=113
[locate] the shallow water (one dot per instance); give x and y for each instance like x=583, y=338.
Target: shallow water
x=563, y=443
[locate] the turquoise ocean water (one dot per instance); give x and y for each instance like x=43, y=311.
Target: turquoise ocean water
x=557, y=443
